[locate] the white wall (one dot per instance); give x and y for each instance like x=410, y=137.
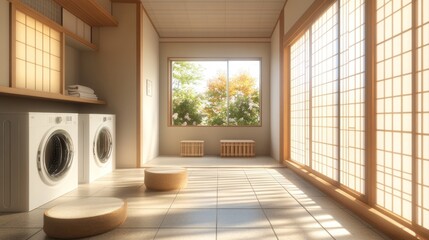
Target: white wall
x=275, y=93
x=171, y=136
x=293, y=11
x=4, y=43
x=72, y=62
x=150, y=104
x=112, y=72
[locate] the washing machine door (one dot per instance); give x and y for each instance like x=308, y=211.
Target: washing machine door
x=55, y=156
x=103, y=145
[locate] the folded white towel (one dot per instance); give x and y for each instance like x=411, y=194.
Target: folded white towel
x=80, y=88
x=83, y=95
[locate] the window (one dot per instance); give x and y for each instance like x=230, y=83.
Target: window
x=215, y=92
x=403, y=109
x=394, y=107
x=327, y=95
x=328, y=68
x=422, y=113
x=300, y=100
x=38, y=54
x=352, y=94
x=324, y=93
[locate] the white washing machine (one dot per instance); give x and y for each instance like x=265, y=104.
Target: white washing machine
x=38, y=161
x=96, y=146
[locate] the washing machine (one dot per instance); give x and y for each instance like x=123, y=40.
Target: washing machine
x=38, y=160
x=96, y=146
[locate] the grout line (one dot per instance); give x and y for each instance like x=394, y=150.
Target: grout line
x=260, y=205
x=40, y=230
x=165, y=216
x=299, y=202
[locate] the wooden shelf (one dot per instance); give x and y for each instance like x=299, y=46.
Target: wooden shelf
x=90, y=12
x=77, y=42
x=18, y=92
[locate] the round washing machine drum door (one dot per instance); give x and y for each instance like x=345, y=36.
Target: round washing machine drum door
x=103, y=144
x=55, y=157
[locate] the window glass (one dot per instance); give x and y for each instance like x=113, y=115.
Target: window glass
x=215, y=92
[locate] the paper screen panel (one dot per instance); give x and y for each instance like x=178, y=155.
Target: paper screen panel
x=352, y=96
x=38, y=55
x=423, y=113
x=324, y=100
x=394, y=107
x=300, y=100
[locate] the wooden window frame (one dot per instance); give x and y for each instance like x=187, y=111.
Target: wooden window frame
x=16, y=6
x=226, y=59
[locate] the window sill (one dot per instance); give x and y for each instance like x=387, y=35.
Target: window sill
x=45, y=95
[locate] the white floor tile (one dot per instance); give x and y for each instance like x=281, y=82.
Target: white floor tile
x=186, y=234
x=17, y=233
x=302, y=234
x=291, y=218
x=242, y=218
x=33, y=219
x=319, y=203
x=246, y=233
x=190, y=218
x=151, y=201
x=194, y=202
x=144, y=217
x=247, y=201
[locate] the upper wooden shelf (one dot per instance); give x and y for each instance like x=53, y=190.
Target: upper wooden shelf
x=45, y=95
x=89, y=11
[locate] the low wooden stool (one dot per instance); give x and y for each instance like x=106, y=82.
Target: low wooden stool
x=165, y=178
x=84, y=217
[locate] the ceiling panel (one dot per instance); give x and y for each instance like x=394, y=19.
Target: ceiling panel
x=214, y=18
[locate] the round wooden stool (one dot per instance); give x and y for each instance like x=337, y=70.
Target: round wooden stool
x=165, y=178
x=84, y=217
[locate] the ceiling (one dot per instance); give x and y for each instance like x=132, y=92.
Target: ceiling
x=214, y=18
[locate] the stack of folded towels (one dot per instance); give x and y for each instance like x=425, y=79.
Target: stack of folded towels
x=81, y=91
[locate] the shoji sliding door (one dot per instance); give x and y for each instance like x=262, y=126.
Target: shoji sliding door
x=324, y=93
x=327, y=77
x=300, y=100
x=352, y=94
x=422, y=112
x=394, y=107
x=328, y=80
x=403, y=109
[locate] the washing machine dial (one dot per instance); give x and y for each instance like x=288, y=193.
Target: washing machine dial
x=58, y=120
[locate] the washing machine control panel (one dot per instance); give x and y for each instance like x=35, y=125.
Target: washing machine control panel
x=62, y=120
x=58, y=120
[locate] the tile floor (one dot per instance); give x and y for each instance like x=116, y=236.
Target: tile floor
x=218, y=203
x=215, y=162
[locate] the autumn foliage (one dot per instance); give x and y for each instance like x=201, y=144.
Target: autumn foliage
x=222, y=103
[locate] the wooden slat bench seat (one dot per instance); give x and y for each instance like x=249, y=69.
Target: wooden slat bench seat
x=237, y=148
x=192, y=148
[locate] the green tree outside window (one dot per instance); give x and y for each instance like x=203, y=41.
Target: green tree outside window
x=210, y=93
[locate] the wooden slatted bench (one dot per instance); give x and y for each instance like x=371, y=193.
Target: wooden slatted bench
x=237, y=148
x=192, y=148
